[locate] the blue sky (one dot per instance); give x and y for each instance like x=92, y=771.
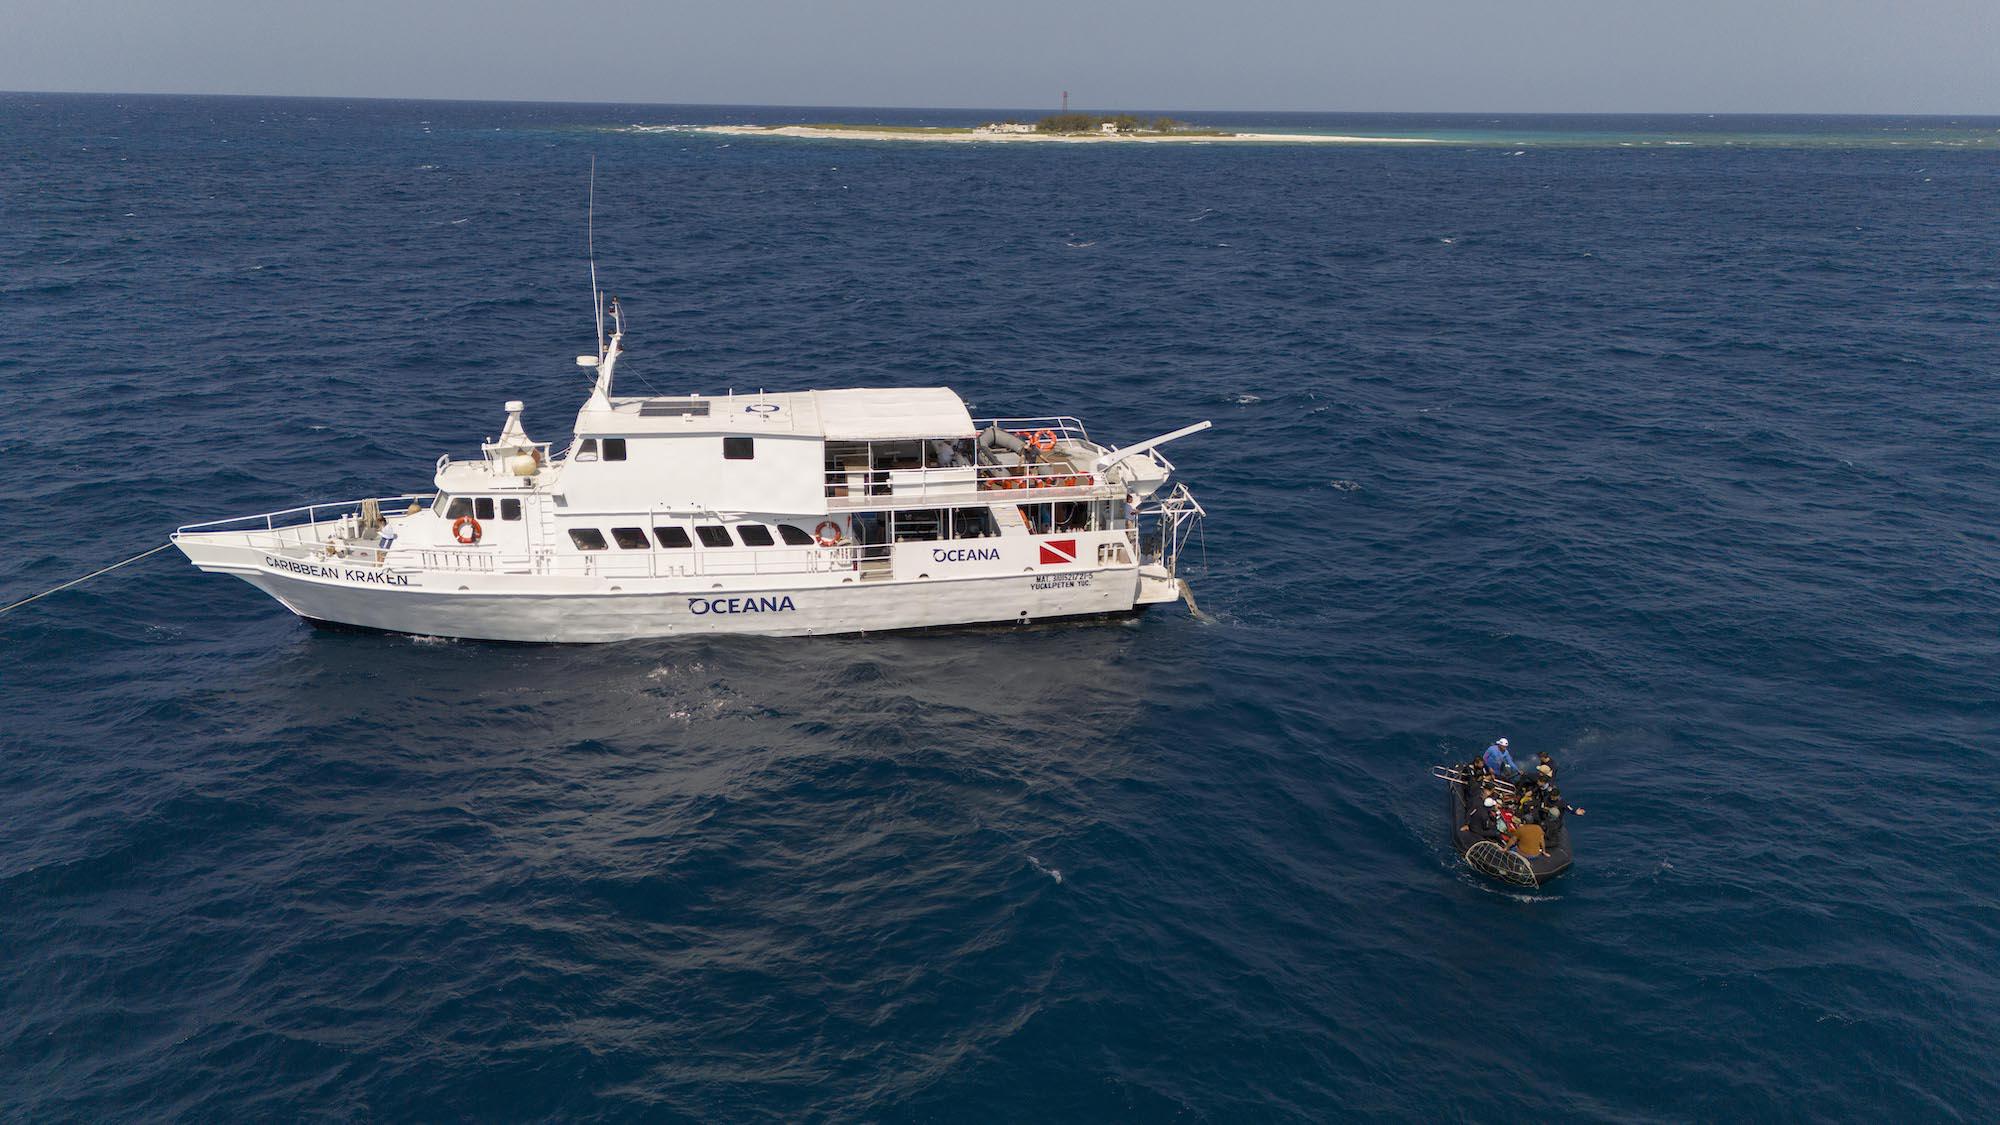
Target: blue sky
x=1831, y=56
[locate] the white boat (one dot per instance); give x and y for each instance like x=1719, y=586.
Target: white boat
x=801, y=513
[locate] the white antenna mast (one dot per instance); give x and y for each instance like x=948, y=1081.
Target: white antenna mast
x=590, y=243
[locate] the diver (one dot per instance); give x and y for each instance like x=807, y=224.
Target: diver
x=1545, y=765
x=1481, y=821
x=1551, y=801
x=1528, y=798
x=1498, y=761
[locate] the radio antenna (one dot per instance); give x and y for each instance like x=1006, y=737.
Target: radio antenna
x=590, y=244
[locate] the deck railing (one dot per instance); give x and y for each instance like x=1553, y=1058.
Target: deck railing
x=614, y=563
x=962, y=484
x=311, y=516
x=1062, y=426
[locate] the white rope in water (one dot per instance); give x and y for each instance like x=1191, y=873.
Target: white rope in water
x=85, y=578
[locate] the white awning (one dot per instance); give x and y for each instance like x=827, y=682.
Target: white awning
x=893, y=414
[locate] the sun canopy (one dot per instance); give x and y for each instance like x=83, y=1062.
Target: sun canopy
x=892, y=414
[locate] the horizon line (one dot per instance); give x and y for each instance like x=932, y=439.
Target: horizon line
x=988, y=108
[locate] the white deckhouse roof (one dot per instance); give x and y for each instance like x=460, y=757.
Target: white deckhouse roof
x=888, y=414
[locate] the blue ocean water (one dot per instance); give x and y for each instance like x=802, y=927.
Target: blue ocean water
x=1676, y=461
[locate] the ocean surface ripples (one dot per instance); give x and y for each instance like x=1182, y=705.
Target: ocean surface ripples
x=1678, y=462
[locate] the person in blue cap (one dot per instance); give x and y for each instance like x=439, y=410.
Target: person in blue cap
x=1498, y=761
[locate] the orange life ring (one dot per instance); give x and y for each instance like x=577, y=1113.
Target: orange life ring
x=827, y=534
x=1043, y=440
x=458, y=527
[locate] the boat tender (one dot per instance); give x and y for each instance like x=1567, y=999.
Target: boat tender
x=1491, y=856
x=801, y=513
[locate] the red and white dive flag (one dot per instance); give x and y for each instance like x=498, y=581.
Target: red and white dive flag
x=1058, y=552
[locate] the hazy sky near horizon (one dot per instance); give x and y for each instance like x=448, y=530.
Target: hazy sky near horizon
x=1800, y=56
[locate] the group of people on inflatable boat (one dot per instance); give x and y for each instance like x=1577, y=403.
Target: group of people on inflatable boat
x=1521, y=808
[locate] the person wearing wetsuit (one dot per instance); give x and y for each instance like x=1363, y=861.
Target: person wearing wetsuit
x=1480, y=821
x=1552, y=810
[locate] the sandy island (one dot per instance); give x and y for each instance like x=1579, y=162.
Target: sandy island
x=862, y=133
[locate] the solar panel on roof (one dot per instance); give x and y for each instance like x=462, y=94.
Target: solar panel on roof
x=673, y=407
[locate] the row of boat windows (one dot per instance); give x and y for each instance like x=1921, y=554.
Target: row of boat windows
x=867, y=528
x=613, y=449
x=676, y=538
x=481, y=507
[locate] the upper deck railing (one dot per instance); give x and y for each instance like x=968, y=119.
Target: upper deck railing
x=1063, y=426
x=493, y=457
x=862, y=487
x=1058, y=467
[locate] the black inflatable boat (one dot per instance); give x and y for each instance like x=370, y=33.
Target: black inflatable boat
x=1490, y=857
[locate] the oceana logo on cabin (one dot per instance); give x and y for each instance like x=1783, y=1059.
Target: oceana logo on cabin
x=965, y=554
x=702, y=607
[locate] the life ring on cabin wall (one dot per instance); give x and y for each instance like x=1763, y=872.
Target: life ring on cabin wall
x=459, y=527
x=827, y=534
x=1043, y=440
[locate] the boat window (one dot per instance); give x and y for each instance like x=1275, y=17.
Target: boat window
x=614, y=449
x=510, y=509
x=714, y=535
x=1037, y=517
x=631, y=539
x=898, y=454
x=673, y=538
x=1075, y=516
x=587, y=538
x=586, y=450
x=795, y=536
x=739, y=448
x=483, y=507
x=973, y=523
x=919, y=525
x=754, y=534
x=460, y=506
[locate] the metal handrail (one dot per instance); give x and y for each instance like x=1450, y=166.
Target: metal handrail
x=270, y=519
x=654, y=562
x=1063, y=425
x=959, y=482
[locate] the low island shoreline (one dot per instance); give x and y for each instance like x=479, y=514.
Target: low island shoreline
x=983, y=135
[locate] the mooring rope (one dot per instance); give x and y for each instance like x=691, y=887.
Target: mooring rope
x=85, y=578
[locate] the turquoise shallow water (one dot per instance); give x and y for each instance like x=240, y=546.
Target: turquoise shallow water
x=1676, y=461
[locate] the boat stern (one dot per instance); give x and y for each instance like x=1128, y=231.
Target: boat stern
x=1166, y=524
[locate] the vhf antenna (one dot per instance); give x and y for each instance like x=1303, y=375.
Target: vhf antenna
x=590, y=243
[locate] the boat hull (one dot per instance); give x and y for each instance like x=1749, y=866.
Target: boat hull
x=532, y=609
